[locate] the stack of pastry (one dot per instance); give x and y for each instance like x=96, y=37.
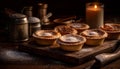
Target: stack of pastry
x=70, y=42
x=79, y=26
x=112, y=29
x=64, y=29
x=94, y=36
x=46, y=37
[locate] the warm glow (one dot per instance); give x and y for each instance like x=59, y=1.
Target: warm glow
x=95, y=6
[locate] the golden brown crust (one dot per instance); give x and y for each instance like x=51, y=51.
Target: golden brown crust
x=71, y=40
x=46, y=37
x=46, y=34
x=95, y=37
x=79, y=26
x=94, y=34
x=111, y=28
x=63, y=29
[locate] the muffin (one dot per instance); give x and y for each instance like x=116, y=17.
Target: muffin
x=113, y=30
x=70, y=42
x=94, y=36
x=46, y=37
x=64, y=29
x=79, y=26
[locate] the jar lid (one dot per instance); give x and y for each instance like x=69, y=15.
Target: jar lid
x=17, y=15
x=18, y=18
x=33, y=20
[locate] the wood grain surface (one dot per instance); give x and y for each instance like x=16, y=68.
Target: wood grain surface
x=85, y=54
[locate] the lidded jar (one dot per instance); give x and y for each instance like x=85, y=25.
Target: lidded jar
x=34, y=25
x=18, y=27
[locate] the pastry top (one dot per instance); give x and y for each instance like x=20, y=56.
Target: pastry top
x=64, y=29
x=111, y=28
x=81, y=26
x=94, y=34
x=46, y=34
x=70, y=39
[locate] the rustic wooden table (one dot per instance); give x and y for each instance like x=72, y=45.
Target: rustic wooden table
x=10, y=58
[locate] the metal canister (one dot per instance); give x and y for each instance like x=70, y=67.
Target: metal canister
x=34, y=25
x=42, y=10
x=27, y=10
x=18, y=28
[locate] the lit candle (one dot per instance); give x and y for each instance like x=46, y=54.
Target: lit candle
x=94, y=15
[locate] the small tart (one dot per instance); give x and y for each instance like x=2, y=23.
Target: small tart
x=79, y=26
x=94, y=36
x=113, y=30
x=46, y=34
x=46, y=37
x=71, y=42
x=70, y=38
x=64, y=29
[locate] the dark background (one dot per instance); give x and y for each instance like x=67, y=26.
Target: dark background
x=58, y=8
x=62, y=7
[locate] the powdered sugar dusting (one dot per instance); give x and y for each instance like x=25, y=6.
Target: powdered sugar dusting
x=46, y=34
x=71, y=39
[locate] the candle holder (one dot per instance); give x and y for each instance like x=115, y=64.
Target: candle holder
x=94, y=14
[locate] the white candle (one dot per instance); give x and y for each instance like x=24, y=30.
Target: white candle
x=94, y=15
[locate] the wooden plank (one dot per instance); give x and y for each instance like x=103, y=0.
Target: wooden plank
x=85, y=54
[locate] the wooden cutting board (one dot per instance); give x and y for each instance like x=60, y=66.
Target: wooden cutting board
x=85, y=54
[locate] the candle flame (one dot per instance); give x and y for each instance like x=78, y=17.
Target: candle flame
x=95, y=6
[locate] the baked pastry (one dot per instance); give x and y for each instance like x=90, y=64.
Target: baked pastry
x=64, y=20
x=94, y=36
x=46, y=37
x=113, y=30
x=79, y=26
x=71, y=42
x=64, y=29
